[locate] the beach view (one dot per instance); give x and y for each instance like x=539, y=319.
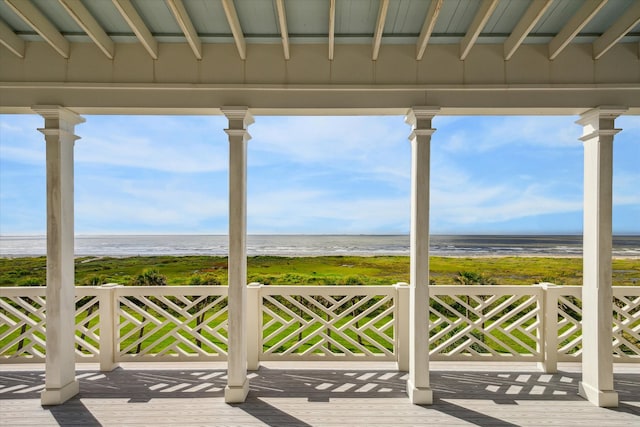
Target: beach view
x=319, y=213
x=319, y=260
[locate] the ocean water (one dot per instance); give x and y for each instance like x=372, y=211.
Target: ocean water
x=315, y=245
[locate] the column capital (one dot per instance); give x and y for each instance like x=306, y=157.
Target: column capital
x=599, y=121
x=239, y=116
x=58, y=112
x=419, y=117
x=601, y=112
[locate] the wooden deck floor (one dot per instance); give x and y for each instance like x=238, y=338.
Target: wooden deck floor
x=317, y=394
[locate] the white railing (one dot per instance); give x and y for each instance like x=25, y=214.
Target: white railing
x=498, y=322
x=114, y=324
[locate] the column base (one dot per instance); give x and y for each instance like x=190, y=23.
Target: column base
x=548, y=368
x=601, y=398
x=419, y=395
x=236, y=394
x=108, y=367
x=57, y=396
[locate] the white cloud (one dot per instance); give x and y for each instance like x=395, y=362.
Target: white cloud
x=491, y=133
x=305, y=210
x=157, y=143
x=130, y=203
x=318, y=140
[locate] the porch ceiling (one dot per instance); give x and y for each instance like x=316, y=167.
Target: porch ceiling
x=418, y=45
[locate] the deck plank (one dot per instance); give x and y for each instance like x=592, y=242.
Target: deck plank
x=316, y=394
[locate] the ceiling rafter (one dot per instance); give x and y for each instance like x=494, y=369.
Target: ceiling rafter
x=88, y=23
x=186, y=25
x=138, y=26
x=536, y=9
x=10, y=40
x=236, y=29
x=332, y=27
x=571, y=29
x=32, y=16
x=129, y=13
x=282, y=20
x=479, y=21
x=377, y=36
x=427, y=27
x=629, y=19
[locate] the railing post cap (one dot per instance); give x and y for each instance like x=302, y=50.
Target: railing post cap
x=255, y=285
x=401, y=285
x=547, y=285
x=111, y=285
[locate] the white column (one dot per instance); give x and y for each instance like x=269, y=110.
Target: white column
x=237, y=381
x=418, y=387
x=597, y=294
x=60, y=375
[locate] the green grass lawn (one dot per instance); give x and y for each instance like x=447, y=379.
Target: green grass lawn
x=325, y=270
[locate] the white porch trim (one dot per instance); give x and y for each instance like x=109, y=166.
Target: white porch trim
x=418, y=387
x=237, y=383
x=597, y=293
x=60, y=375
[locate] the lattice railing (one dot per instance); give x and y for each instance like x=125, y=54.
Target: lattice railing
x=495, y=322
x=318, y=322
x=569, y=328
x=171, y=323
x=87, y=325
x=626, y=324
x=23, y=325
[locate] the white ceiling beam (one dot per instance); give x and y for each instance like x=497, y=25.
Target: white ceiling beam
x=571, y=29
x=536, y=9
x=629, y=19
x=377, y=35
x=184, y=21
x=10, y=40
x=479, y=21
x=282, y=20
x=88, y=23
x=332, y=27
x=427, y=27
x=236, y=29
x=138, y=26
x=32, y=16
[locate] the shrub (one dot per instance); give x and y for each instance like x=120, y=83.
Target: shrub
x=150, y=277
x=31, y=281
x=206, y=279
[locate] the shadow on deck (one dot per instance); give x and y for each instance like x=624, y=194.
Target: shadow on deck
x=302, y=397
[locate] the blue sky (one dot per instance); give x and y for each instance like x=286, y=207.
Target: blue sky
x=156, y=175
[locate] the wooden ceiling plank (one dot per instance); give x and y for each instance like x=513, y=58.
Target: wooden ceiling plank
x=536, y=9
x=629, y=19
x=11, y=41
x=77, y=10
x=377, y=36
x=138, y=26
x=232, y=18
x=186, y=25
x=282, y=20
x=576, y=23
x=332, y=27
x=32, y=16
x=479, y=21
x=427, y=27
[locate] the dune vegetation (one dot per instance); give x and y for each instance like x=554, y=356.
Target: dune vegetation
x=324, y=270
